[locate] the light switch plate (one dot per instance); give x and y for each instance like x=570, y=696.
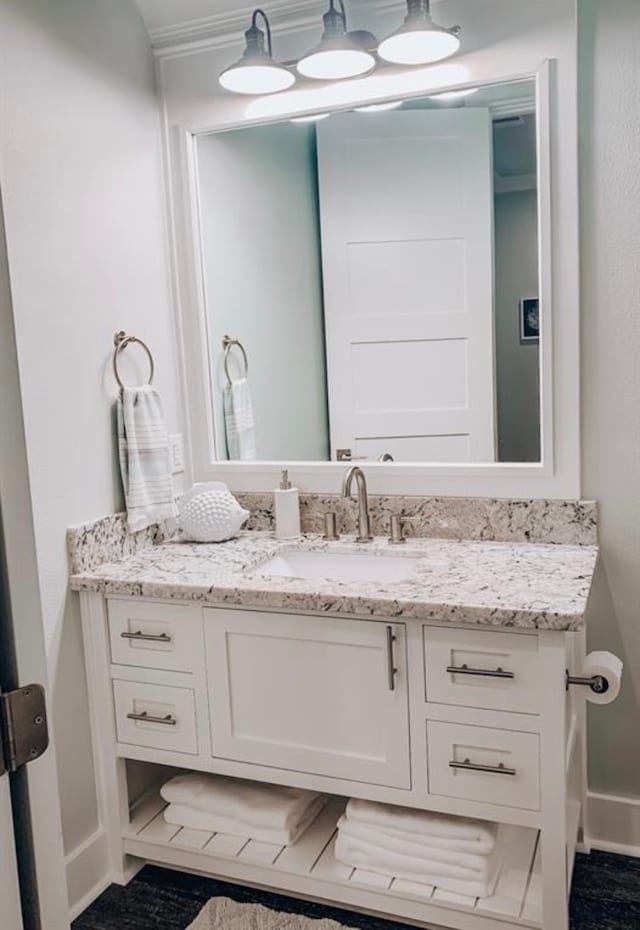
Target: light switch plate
x=176, y=454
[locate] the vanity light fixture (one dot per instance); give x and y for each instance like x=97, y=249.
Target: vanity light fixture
x=419, y=41
x=257, y=72
x=340, y=54
x=380, y=107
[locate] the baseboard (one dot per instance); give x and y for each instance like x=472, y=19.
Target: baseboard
x=613, y=823
x=87, y=870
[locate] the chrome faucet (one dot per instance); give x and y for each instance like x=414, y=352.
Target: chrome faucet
x=364, y=521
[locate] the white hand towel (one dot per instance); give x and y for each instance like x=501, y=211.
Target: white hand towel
x=422, y=823
x=238, y=421
x=143, y=447
x=274, y=807
x=359, y=854
x=406, y=845
x=184, y=816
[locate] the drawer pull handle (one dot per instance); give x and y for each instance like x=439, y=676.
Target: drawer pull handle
x=479, y=672
x=169, y=720
x=469, y=766
x=148, y=637
x=391, y=669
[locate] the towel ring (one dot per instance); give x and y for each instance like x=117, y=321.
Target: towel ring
x=227, y=344
x=121, y=341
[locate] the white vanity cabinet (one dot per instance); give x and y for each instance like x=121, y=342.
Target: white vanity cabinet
x=469, y=721
x=321, y=695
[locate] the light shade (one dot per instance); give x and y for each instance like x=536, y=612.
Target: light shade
x=339, y=54
x=419, y=41
x=256, y=72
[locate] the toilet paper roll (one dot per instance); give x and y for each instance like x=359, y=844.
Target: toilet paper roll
x=610, y=667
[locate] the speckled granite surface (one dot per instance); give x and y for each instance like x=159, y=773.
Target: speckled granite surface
x=106, y=540
x=520, y=585
x=498, y=520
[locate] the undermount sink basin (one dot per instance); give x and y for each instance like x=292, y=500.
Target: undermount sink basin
x=338, y=566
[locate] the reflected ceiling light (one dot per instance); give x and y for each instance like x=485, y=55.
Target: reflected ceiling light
x=312, y=118
x=379, y=107
x=454, y=94
x=419, y=41
x=340, y=54
x=257, y=72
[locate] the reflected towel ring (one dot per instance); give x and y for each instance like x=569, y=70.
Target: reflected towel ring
x=227, y=344
x=121, y=340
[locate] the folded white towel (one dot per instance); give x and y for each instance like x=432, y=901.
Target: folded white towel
x=184, y=816
x=274, y=807
x=238, y=421
x=143, y=447
x=406, y=845
x=459, y=831
x=360, y=854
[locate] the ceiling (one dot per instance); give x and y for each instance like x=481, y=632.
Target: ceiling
x=159, y=14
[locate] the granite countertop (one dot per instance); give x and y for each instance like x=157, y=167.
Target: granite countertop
x=518, y=585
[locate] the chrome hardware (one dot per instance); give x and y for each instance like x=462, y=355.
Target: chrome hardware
x=148, y=637
x=344, y=455
x=597, y=683
x=479, y=672
x=364, y=521
x=227, y=344
x=398, y=523
x=23, y=727
x=386, y=457
x=330, y=527
x=469, y=766
x=169, y=720
x=391, y=669
x=121, y=340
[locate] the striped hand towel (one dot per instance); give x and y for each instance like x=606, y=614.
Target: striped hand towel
x=238, y=421
x=143, y=446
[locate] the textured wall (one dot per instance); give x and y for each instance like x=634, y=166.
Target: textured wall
x=609, y=50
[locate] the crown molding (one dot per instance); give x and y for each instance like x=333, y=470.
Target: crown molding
x=226, y=29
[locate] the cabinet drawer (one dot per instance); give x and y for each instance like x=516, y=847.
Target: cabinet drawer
x=512, y=760
x=497, y=671
x=152, y=635
x=171, y=712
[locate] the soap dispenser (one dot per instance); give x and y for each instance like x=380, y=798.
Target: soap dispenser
x=287, y=508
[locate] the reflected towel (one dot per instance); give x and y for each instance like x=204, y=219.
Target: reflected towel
x=455, y=833
x=182, y=815
x=238, y=421
x=360, y=854
x=274, y=807
x=143, y=448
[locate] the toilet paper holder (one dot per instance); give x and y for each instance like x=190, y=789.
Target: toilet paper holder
x=598, y=683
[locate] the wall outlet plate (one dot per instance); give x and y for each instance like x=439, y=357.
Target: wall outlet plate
x=176, y=454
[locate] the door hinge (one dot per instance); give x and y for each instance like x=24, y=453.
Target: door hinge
x=24, y=734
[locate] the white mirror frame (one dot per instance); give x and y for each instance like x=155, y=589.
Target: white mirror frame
x=557, y=475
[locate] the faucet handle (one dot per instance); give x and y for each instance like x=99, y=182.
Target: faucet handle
x=398, y=523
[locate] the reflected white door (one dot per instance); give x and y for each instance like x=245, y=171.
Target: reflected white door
x=406, y=202
x=9, y=890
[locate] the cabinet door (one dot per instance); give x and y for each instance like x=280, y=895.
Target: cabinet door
x=310, y=694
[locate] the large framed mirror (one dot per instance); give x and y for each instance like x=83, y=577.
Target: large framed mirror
x=376, y=285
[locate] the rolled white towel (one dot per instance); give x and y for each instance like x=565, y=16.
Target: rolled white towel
x=405, y=845
x=358, y=853
x=182, y=815
x=273, y=807
x=456, y=833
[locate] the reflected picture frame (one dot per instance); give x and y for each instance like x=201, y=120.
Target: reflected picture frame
x=529, y=320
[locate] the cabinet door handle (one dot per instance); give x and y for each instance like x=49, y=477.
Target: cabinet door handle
x=391, y=669
x=169, y=720
x=148, y=637
x=469, y=766
x=479, y=672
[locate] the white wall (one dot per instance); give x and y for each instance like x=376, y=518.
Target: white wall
x=263, y=279
x=610, y=225
x=517, y=364
x=81, y=174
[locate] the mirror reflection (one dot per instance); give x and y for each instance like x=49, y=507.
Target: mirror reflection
x=371, y=282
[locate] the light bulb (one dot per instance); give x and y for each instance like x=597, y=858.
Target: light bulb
x=256, y=79
x=331, y=64
x=418, y=47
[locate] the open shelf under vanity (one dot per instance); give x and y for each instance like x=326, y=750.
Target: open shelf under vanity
x=310, y=869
